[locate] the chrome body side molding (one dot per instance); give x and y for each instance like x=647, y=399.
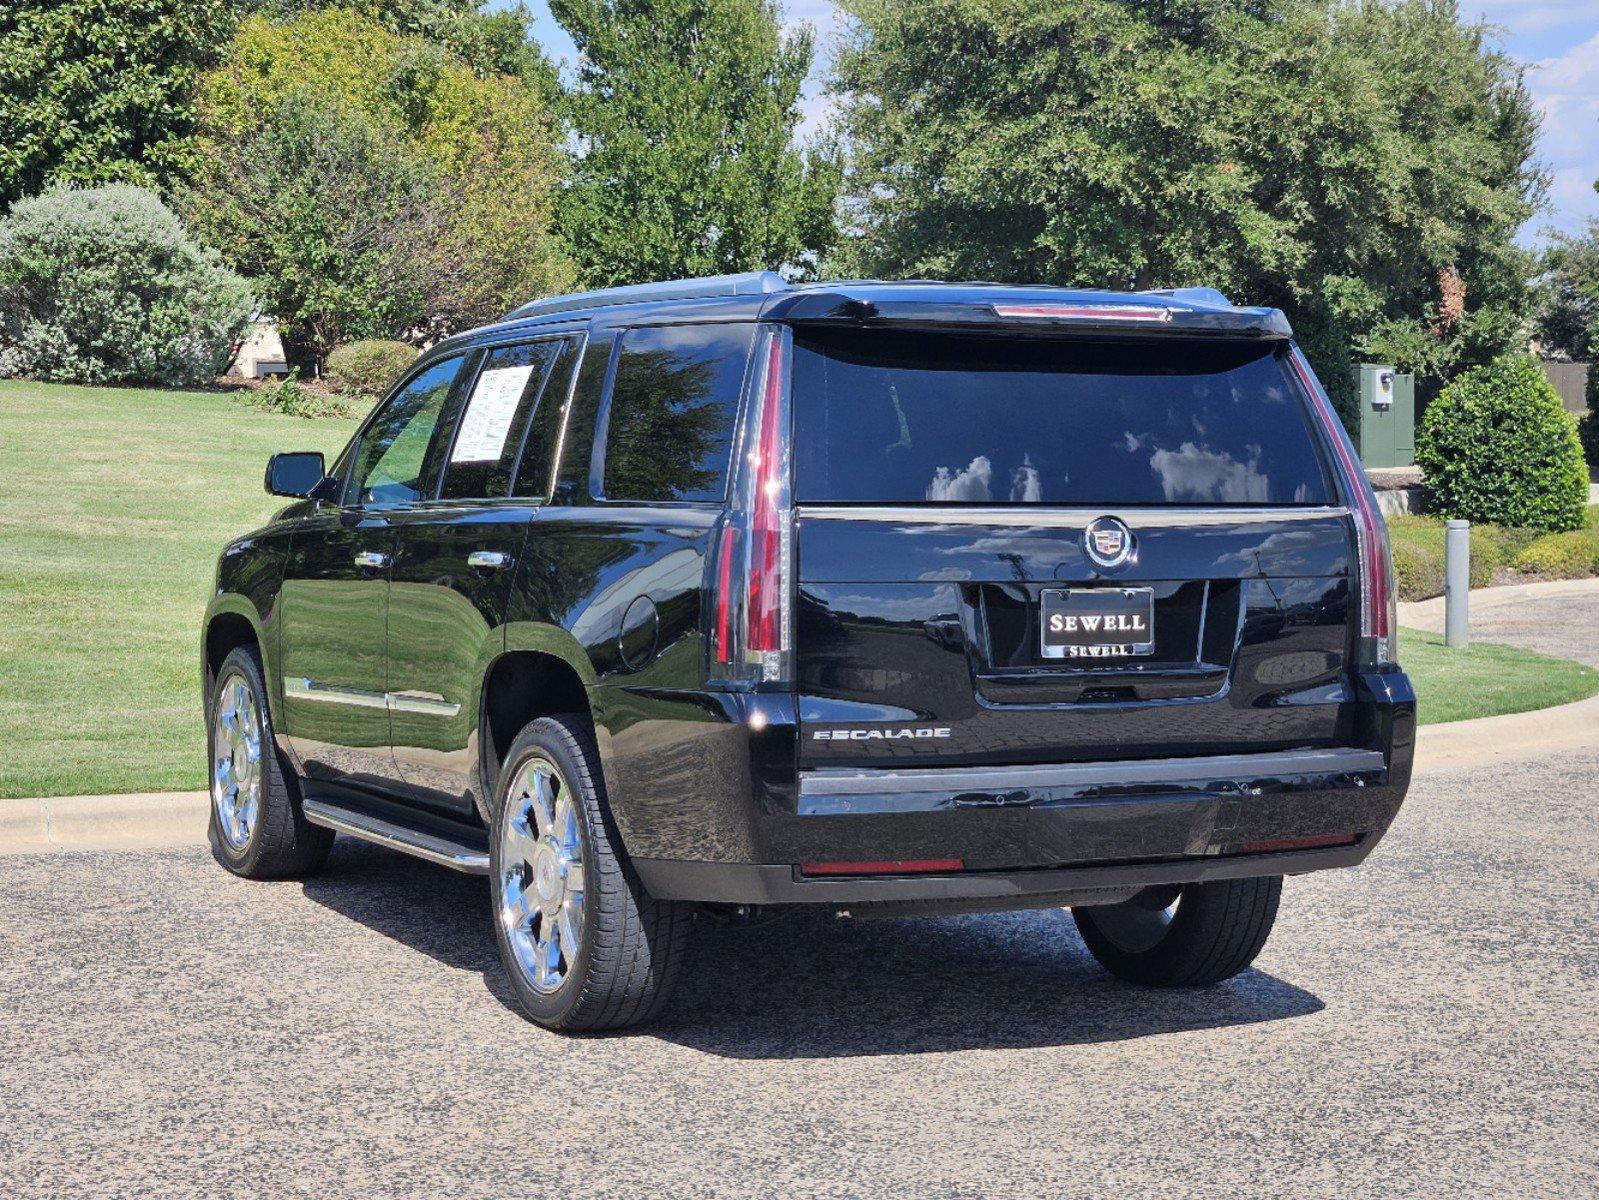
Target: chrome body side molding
x=321, y=693
x=429, y=703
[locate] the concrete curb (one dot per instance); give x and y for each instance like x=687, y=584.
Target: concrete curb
x=103, y=822
x=1487, y=740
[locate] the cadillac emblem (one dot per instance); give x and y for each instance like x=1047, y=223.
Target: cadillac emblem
x=1107, y=542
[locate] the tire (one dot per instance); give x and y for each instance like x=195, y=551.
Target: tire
x=558, y=874
x=257, y=828
x=1183, y=937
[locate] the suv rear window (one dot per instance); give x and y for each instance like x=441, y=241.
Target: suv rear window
x=916, y=418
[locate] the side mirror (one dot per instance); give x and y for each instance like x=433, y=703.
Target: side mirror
x=300, y=474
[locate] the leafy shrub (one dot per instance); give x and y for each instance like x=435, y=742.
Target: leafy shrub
x=1572, y=555
x=369, y=367
x=1426, y=534
x=1510, y=540
x=1418, y=570
x=1496, y=446
x=1588, y=424
x=294, y=399
x=104, y=285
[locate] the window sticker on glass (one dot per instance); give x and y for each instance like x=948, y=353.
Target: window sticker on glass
x=487, y=419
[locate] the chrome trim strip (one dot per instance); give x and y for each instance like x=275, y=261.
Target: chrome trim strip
x=1065, y=518
x=396, y=837
x=308, y=689
x=951, y=781
x=429, y=703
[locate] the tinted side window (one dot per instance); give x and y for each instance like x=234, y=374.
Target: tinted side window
x=544, y=429
x=669, y=425
x=577, y=447
x=391, y=462
x=488, y=434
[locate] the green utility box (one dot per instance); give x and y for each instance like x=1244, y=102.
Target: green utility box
x=1387, y=431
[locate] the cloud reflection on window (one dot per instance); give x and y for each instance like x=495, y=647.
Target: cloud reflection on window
x=1194, y=474
x=969, y=486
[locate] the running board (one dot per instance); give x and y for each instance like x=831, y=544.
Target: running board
x=438, y=845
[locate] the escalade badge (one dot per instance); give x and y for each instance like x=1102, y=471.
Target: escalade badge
x=1107, y=542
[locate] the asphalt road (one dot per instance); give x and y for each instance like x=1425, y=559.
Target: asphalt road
x=1427, y=1025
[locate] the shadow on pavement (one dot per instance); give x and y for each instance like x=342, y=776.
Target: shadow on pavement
x=808, y=984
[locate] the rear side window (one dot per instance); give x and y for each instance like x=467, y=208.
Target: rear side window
x=913, y=418
x=668, y=429
x=488, y=432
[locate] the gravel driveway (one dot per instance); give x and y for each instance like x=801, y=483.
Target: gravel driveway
x=1423, y=1026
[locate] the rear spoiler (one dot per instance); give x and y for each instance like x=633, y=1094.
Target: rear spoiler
x=1023, y=310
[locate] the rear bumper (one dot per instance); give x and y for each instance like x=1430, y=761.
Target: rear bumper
x=1057, y=835
x=723, y=815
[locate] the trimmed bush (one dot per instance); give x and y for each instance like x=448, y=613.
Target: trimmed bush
x=1497, y=447
x=1573, y=555
x=370, y=366
x=1418, y=570
x=104, y=285
x=1426, y=535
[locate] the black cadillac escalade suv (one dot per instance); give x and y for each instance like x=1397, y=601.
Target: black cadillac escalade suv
x=901, y=598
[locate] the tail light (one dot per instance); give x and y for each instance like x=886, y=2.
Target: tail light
x=1379, y=623
x=752, y=635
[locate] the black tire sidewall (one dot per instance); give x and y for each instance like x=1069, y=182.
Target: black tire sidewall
x=1216, y=932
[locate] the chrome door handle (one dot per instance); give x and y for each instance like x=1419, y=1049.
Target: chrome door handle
x=491, y=560
x=371, y=558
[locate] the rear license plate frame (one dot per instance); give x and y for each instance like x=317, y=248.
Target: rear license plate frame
x=1124, y=603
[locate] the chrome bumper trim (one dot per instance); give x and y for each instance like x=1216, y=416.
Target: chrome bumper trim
x=1022, y=516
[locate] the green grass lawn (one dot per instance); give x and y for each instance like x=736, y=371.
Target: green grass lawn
x=1487, y=680
x=113, y=506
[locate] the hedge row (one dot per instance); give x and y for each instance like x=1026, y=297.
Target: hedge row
x=1418, y=549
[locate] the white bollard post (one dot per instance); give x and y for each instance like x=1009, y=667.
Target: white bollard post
x=1457, y=582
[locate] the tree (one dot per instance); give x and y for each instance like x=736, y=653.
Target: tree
x=1363, y=166
x=462, y=167
x=337, y=222
x=1568, y=295
x=93, y=91
x=490, y=43
x=685, y=113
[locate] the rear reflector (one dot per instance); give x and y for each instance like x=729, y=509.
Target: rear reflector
x=908, y=866
x=1084, y=312
x=1320, y=841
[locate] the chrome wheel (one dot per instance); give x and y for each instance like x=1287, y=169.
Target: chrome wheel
x=1138, y=924
x=236, y=761
x=541, y=874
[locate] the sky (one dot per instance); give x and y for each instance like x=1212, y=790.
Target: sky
x=1557, y=39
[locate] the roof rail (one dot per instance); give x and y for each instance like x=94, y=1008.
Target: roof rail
x=749, y=283
x=1193, y=295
